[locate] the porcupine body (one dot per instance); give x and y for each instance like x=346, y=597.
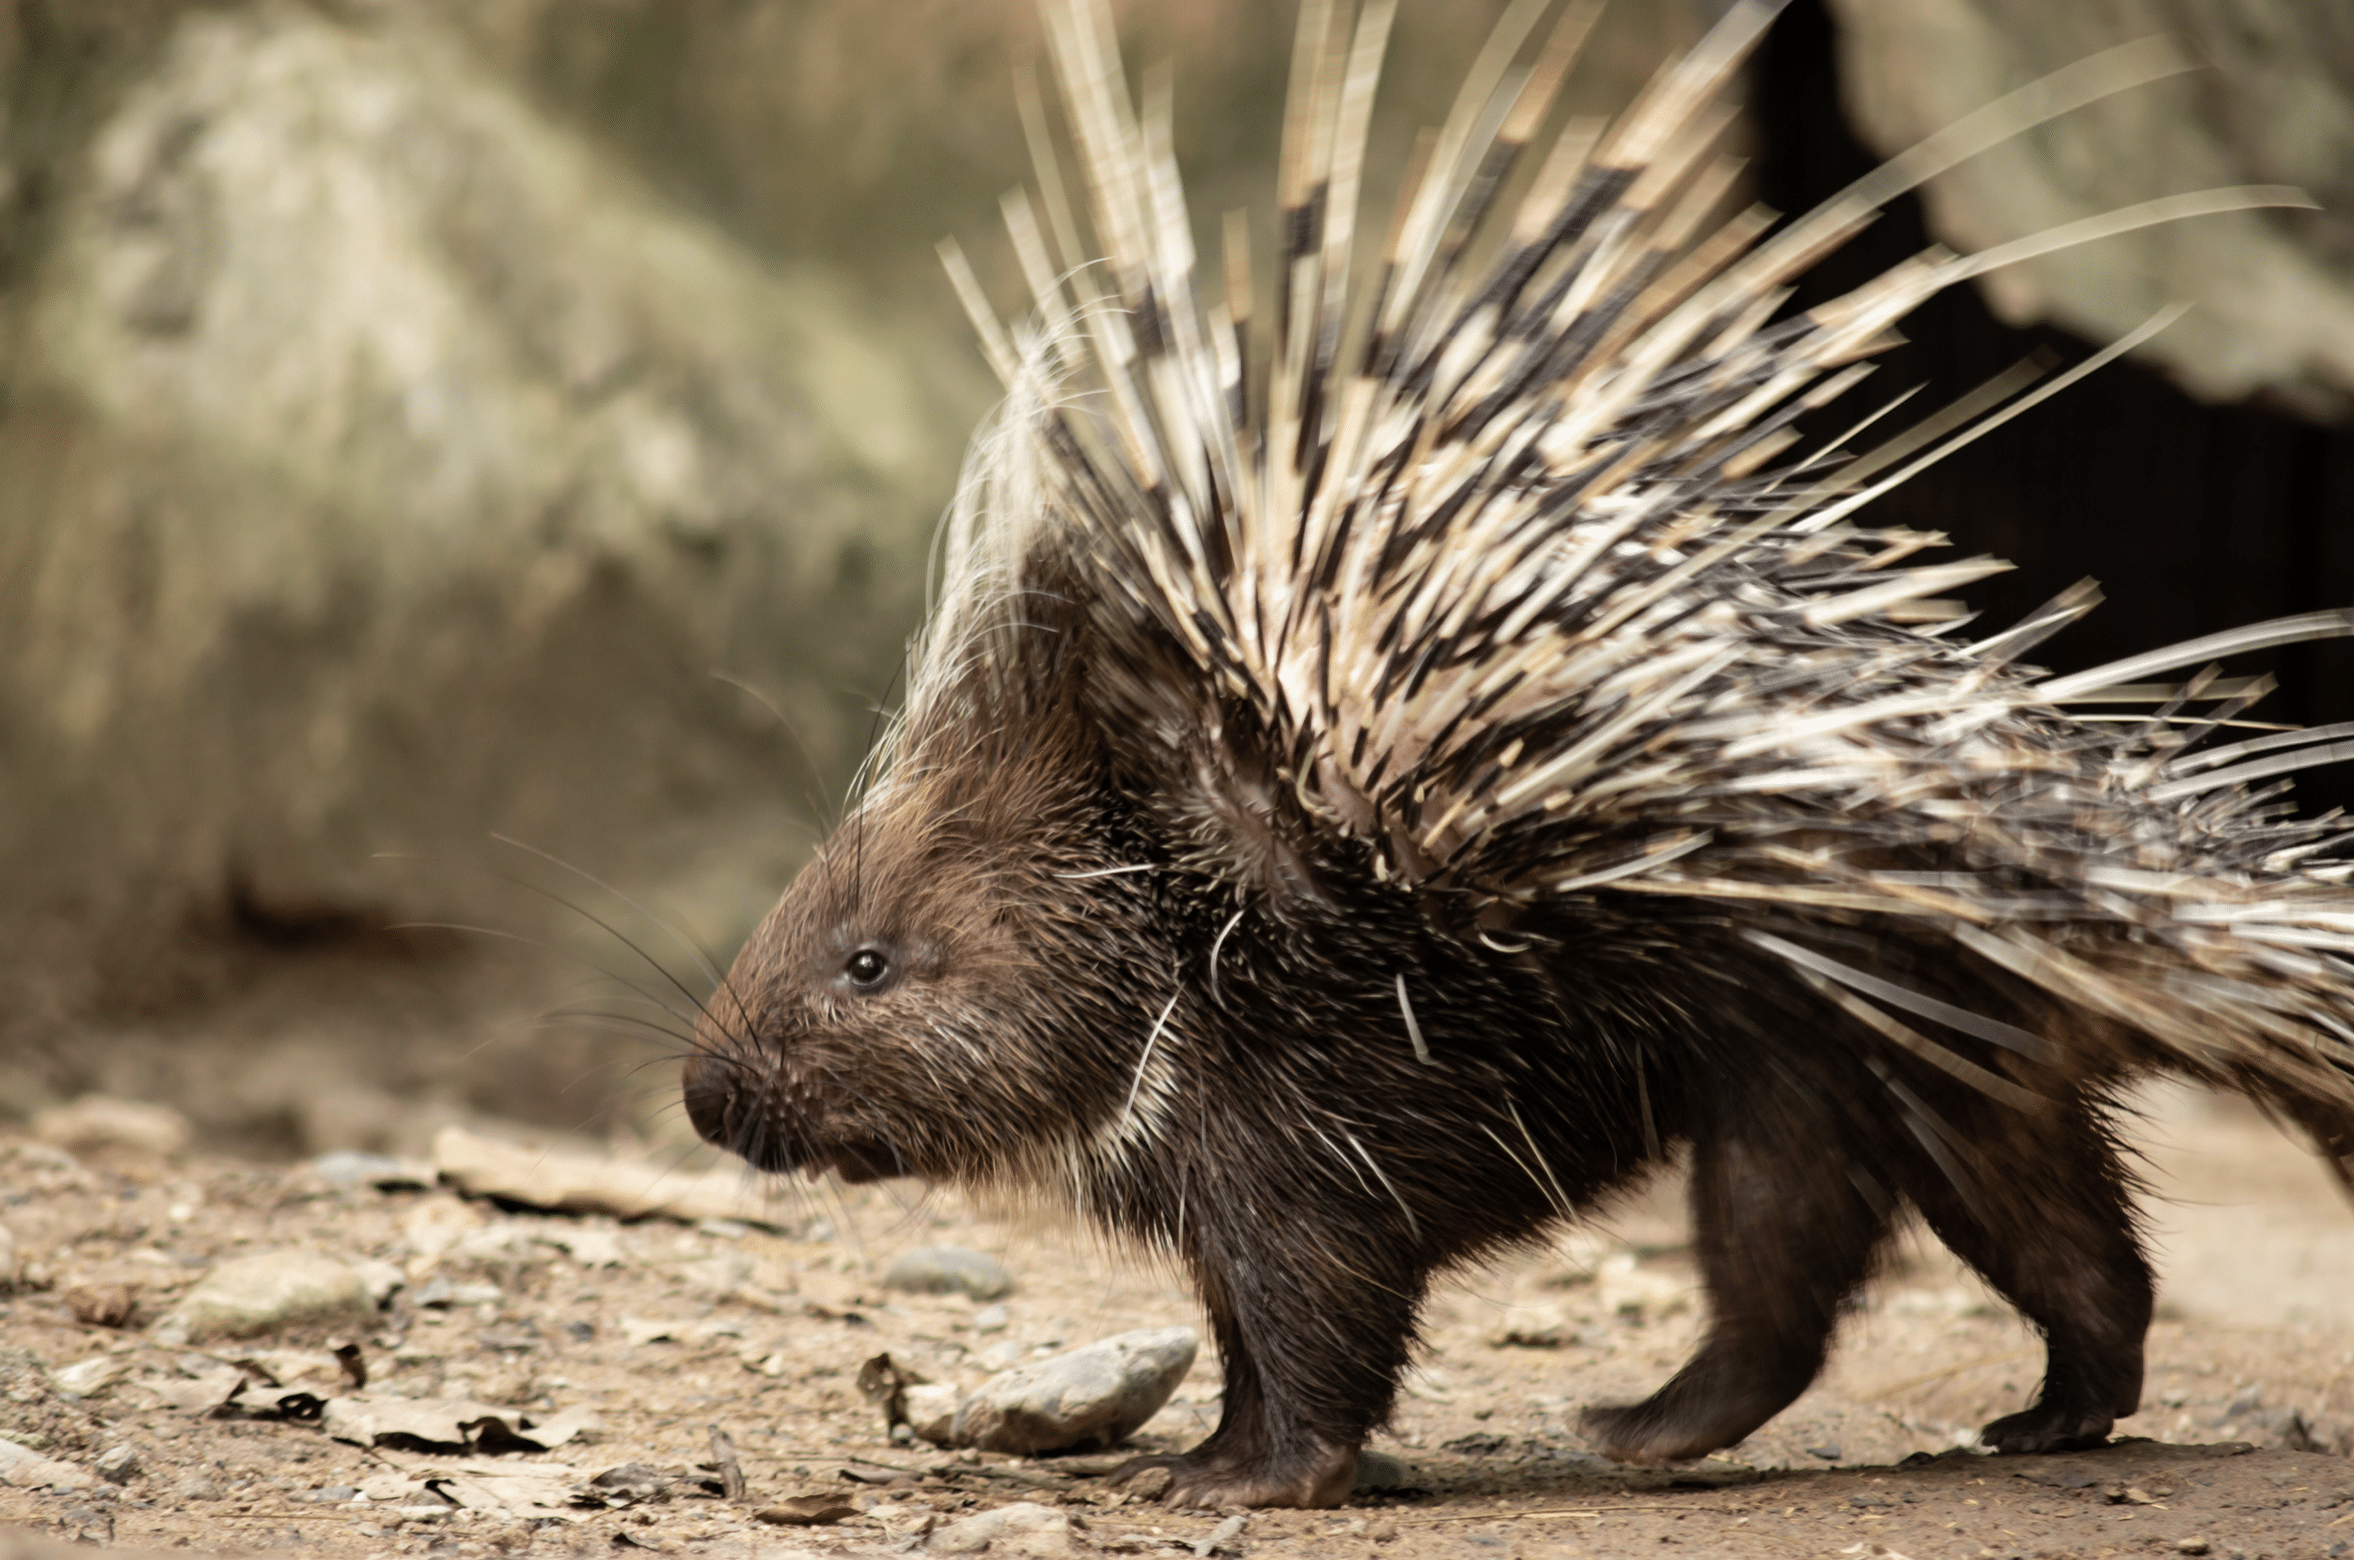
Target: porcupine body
x=1354, y=814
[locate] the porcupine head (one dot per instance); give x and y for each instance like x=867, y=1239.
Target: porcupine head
x=1352, y=750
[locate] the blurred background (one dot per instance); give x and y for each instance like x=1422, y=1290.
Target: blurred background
x=466, y=466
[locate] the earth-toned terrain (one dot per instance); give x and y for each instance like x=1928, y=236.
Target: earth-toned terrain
x=626, y=1343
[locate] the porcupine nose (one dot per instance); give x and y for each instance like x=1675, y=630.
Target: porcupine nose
x=708, y=1083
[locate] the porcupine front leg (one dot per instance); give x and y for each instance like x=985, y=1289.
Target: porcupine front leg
x=1312, y=1362
x=1783, y=1234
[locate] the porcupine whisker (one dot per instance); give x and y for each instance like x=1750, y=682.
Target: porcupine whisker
x=623, y=1024
x=565, y=953
x=542, y=946
x=703, y=965
x=685, y=1034
x=816, y=795
x=614, y=932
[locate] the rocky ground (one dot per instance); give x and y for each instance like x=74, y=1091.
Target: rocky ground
x=474, y=1332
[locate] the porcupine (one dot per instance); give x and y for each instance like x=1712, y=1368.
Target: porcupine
x=1353, y=814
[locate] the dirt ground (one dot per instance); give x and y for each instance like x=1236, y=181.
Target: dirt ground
x=661, y=1331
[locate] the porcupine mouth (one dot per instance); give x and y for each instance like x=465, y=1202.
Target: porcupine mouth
x=787, y=1147
x=771, y=1136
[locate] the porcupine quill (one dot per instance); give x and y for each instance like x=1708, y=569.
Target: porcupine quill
x=1376, y=783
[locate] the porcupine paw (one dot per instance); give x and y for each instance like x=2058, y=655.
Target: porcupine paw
x=1320, y=1477
x=2049, y=1427
x=1646, y=1435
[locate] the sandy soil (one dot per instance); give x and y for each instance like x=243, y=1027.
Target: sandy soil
x=2249, y=1414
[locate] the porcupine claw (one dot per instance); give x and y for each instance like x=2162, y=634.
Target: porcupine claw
x=1215, y=1481
x=2048, y=1428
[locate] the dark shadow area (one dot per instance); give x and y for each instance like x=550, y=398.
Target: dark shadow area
x=2194, y=518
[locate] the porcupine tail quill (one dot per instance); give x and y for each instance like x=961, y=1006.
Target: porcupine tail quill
x=1490, y=532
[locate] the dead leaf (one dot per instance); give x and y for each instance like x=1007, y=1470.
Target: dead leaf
x=805, y=1511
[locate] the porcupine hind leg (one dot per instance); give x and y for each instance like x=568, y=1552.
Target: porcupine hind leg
x=2043, y=1216
x=1783, y=1233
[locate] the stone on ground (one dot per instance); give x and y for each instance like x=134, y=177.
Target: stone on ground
x=1090, y=1397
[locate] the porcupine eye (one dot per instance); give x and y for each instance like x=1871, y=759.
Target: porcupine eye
x=866, y=969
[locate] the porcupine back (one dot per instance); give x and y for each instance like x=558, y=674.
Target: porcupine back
x=1507, y=550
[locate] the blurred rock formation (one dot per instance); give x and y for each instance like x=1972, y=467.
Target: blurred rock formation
x=410, y=405
x=2272, y=103
x=386, y=467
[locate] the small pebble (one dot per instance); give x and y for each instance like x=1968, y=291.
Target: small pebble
x=944, y=1270
x=990, y=1318
x=118, y=1464
x=1022, y=1528
x=102, y=1305
x=349, y=1167
x=2191, y=1546
x=1826, y=1453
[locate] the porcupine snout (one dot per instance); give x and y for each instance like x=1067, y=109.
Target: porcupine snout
x=730, y=1109
x=737, y=1086
x=711, y=1100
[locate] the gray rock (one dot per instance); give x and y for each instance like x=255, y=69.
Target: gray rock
x=28, y=1469
x=118, y=1464
x=948, y=1270
x=99, y=1122
x=990, y=1318
x=718, y=1277
x=388, y=403
x=1221, y=1537
x=931, y=1410
x=350, y=1167
x=1909, y=67
x=1380, y=1471
x=382, y=1279
x=1004, y=1354
x=262, y=1294
x=1090, y=1397
x=1024, y=1528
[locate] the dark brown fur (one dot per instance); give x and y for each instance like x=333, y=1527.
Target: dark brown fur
x=1277, y=1132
